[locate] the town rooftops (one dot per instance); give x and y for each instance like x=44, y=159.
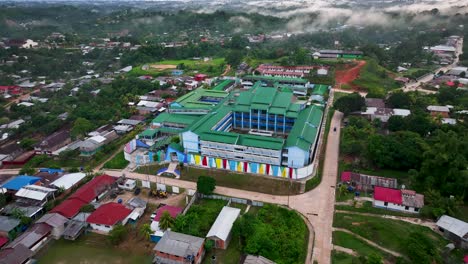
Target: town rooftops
x=375, y=102
x=68, y=180
x=16, y=255
x=33, y=235
x=69, y=208
x=109, y=214
x=400, y=197
x=8, y=223
x=54, y=139
x=20, y=181
x=172, y=210
x=178, y=244
x=53, y=219
x=438, y=108
x=130, y=122
x=34, y=192
x=93, y=188
x=443, y=48
x=453, y=225
x=223, y=224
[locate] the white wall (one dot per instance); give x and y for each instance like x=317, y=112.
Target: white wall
x=394, y=207
x=101, y=228
x=297, y=158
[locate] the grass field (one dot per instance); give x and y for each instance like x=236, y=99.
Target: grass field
x=212, y=67
x=375, y=79
x=342, y=258
x=117, y=162
x=390, y=234
x=362, y=248
x=91, y=249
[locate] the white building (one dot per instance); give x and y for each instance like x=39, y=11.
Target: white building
x=68, y=180
x=220, y=231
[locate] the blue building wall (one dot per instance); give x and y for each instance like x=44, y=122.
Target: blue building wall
x=191, y=142
x=259, y=119
x=297, y=158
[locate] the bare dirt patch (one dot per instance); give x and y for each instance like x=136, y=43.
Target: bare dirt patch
x=349, y=73
x=162, y=67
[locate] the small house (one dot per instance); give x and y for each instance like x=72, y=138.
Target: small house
x=366, y=183
x=56, y=221
x=220, y=231
x=53, y=142
x=407, y=201
x=251, y=259
x=34, y=238
x=68, y=180
x=16, y=255
x=128, y=185
x=158, y=232
x=455, y=230
x=18, y=182
x=107, y=216
x=438, y=110
x=35, y=194
x=180, y=248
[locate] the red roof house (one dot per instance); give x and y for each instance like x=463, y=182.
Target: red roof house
x=84, y=195
x=11, y=89
x=200, y=77
x=3, y=241
x=387, y=195
x=91, y=190
x=173, y=211
x=346, y=176
x=108, y=215
x=69, y=208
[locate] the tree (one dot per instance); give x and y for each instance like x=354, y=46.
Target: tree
x=399, y=100
x=421, y=249
x=374, y=258
x=166, y=221
x=350, y=103
x=81, y=126
x=27, y=170
x=396, y=123
x=27, y=143
x=209, y=244
x=206, y=185
x=234, y=58
x=145, y=231
x=88, y=208
x=117, y=234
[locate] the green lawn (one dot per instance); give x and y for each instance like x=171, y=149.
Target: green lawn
x=242, y=181
x=375, y=79
x=352, y=242
x=390, y=234
x=117, y=162
x=231, y=255
x=342, y=258
x=91, y=249
x=199, y=218
x=213, y=67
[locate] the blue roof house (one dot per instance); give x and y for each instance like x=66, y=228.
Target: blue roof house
x=18, y=182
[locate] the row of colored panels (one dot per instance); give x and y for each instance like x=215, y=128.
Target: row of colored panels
x=240, y=166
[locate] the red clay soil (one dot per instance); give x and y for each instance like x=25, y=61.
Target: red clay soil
x=349, y=73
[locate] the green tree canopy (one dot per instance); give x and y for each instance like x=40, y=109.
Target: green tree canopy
x=81, y=126
x=166, y=221
x=206, y=185
x=350, y=103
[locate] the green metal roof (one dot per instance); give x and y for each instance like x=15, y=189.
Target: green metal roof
x=306, y=128
x=148, y=133
x=192, y=99
x=175, y=118
x=176, y=146
x=161, y=143
x=320, y=89
x=221, y=86
x=273, y=100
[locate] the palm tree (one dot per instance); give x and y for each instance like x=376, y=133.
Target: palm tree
x=145, y=231
x=166, y=221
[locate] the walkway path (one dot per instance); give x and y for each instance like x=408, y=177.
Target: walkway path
x=396, y=254
x=345, y=250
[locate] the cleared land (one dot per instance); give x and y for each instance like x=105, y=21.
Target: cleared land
x=91, y=249
x=213, y=67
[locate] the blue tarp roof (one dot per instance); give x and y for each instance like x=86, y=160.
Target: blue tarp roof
x=20, y=181
x=51, y=171
x=141, y=144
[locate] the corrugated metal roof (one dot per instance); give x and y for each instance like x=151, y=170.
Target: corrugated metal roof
x=223, y=224
x=34, y=192
x=453, y=225
x=306, y=128
x=178, y=244
x=8, y=223
x=20, y=181
x=68, y=180
x=53, y=219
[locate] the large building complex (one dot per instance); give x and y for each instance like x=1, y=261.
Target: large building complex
x=263, y=129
